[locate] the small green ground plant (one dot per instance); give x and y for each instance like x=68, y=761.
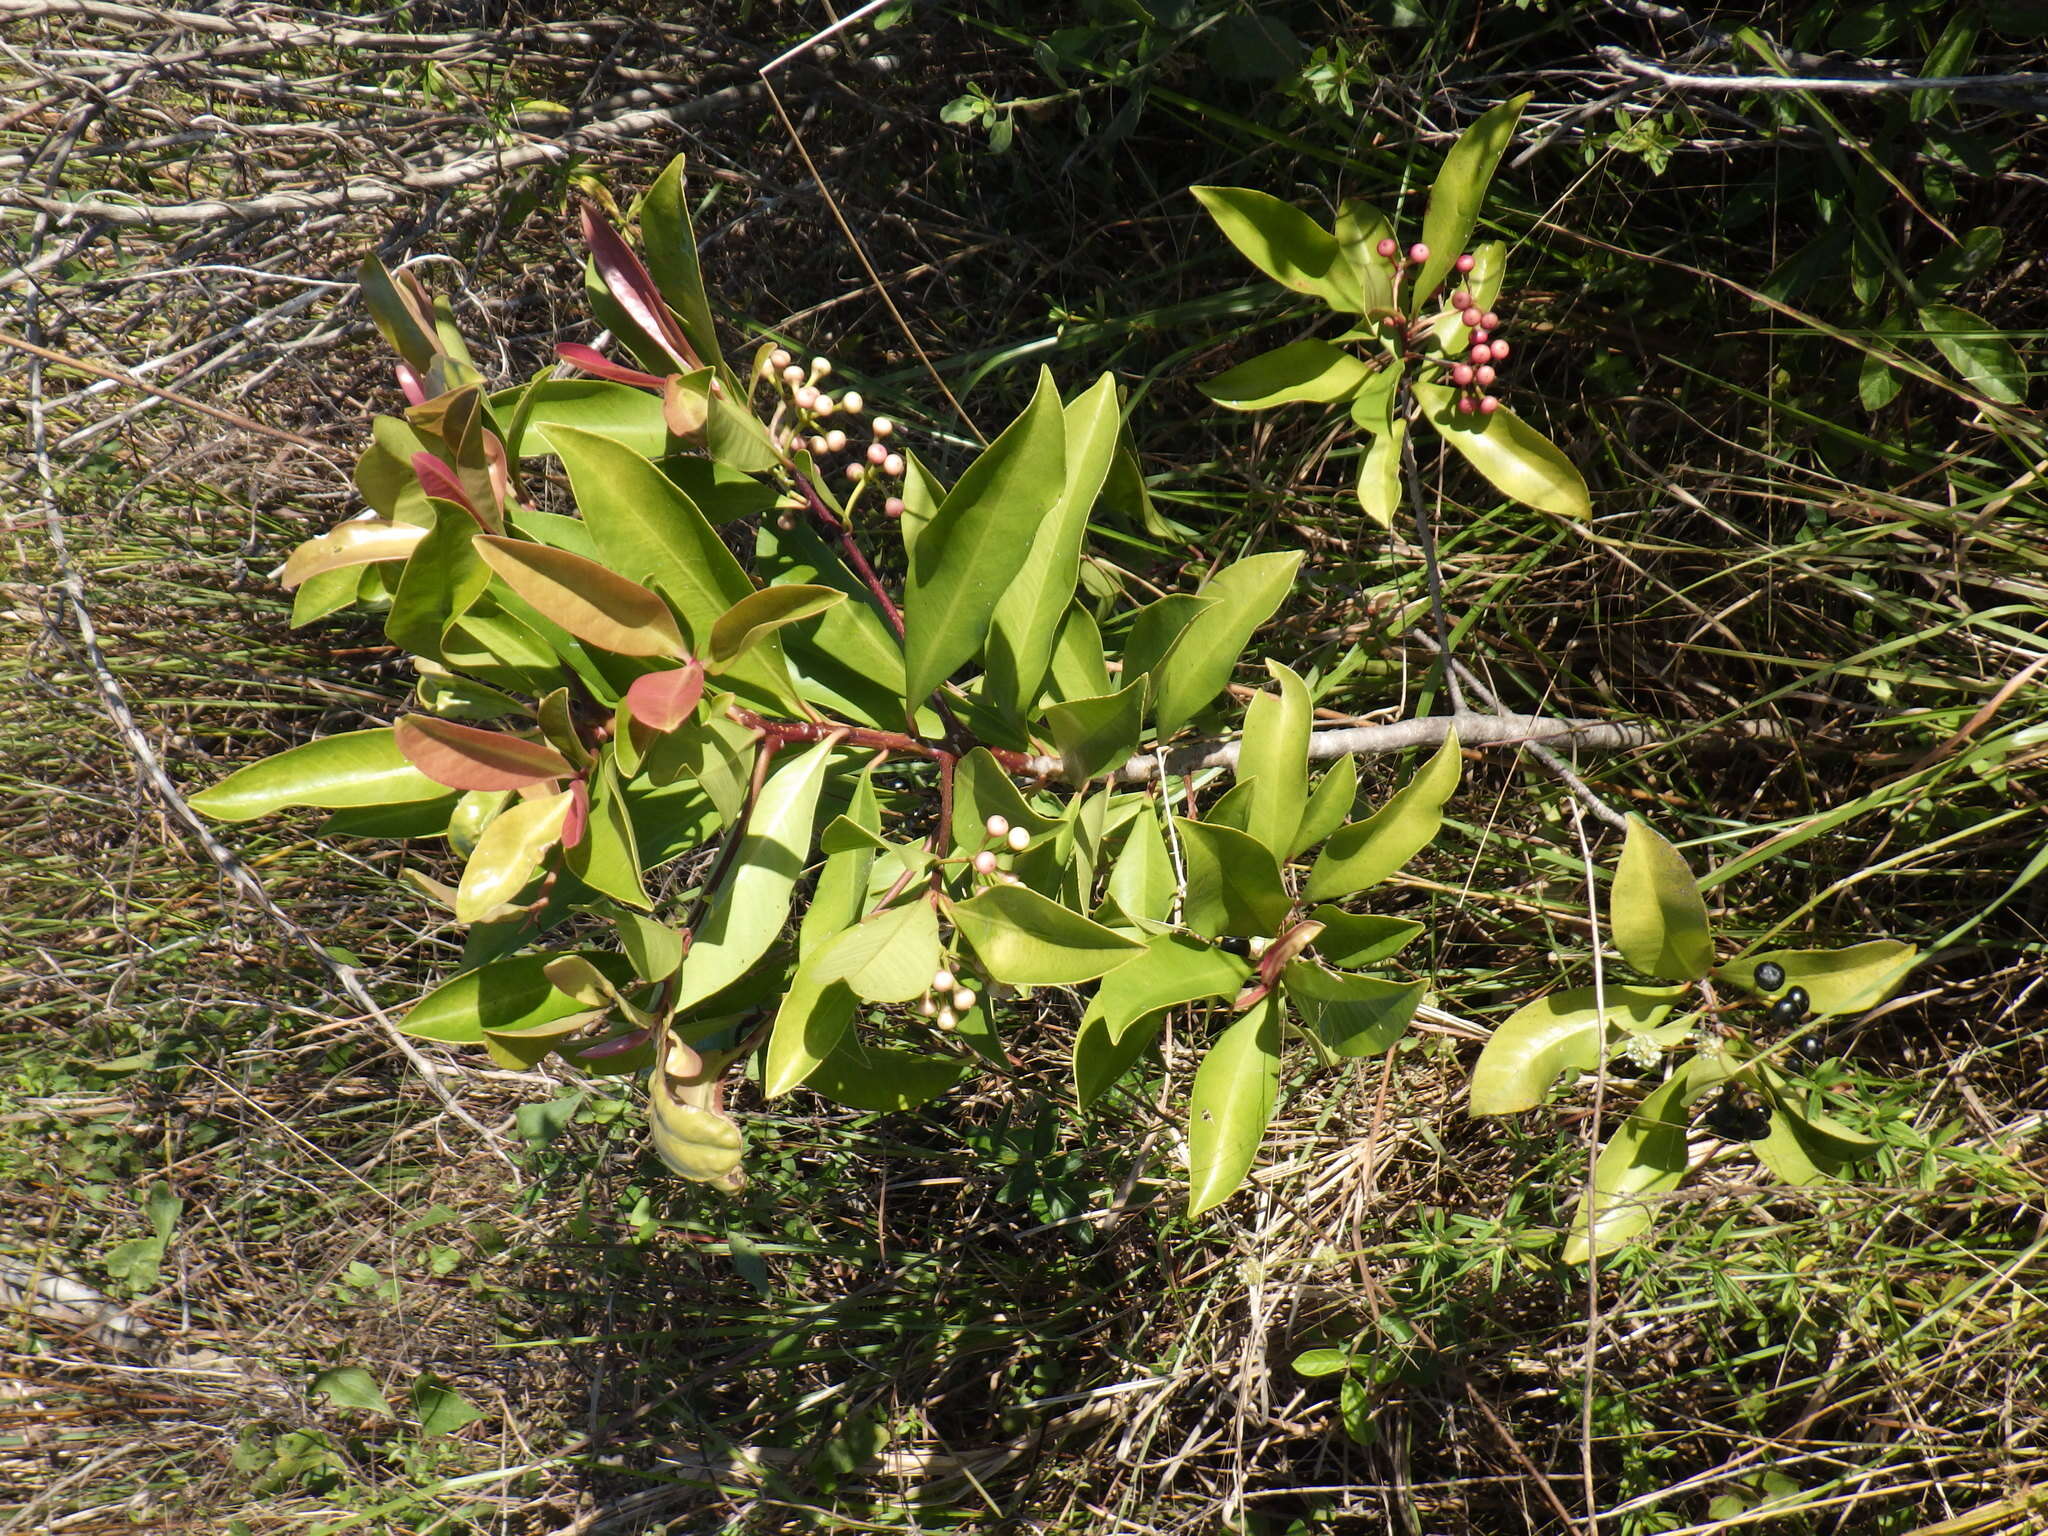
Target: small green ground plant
x=845, y=812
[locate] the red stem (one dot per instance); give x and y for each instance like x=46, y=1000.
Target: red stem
x=851, y=550
x=783, y=731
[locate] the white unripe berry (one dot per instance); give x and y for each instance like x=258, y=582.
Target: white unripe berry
x=948, y=1019
x=963, y=1000
x=792, y=374
x=893, y=465
x=882, y=426
x=942, y=981
x=984, y=863
x=820, y=366
x=997, y=825
x=928, y=1007
x=877, y=454
x=835, y=440
x=786, y=523
x=893, y=506
x=1009, y=879
x=1019, y=838
x=818, y=445
x=780, y=358
x=824, y=407
x=806, y=398
x=851, y=400
x=1257, y=946
x=768, y=367
x=855, y=471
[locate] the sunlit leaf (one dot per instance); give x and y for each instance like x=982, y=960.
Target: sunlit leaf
x=1329, y=805
x=354, y=768
x=1306, y=370
x=362, y=542
x=1516, y=460
x=1459, y=192
x=1027, y=941
x=470, y=757
x=760, y=614
x=1558, y=1032
x=1655, y=912
x=1097, y=736
x=1284, y=243
x=1174, y=969
x=1273, y=756
x=1645, y=1158
x=1352, y=1015
x=1837, y=981
x=506, y=995
x=1364, y=853
x=1233, y=882
x=1354, y=940
x=509, y=854
x=1231, y=1104
x=887, y=958
x=671, y=245
x=1242, y=597
x=1379, y=475
x=1977, y=350
x=593, y=603
x=1360, y=229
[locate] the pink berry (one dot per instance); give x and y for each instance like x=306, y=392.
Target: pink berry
x=1464, y=405
x=1490, y=320
x=984, y=863
x=1461, y=300
x=1462, y=375
x=893, y=506
x=1488, y=405
x=1480, y=354
x=1464, y=263
x=876, y=454
x=1500, y=351
x=1471, y=316
x=1482, y=334
x=1388, y=249
x=892, y=466
x=1418, y=252
x=1483, y=376
x=855, y=470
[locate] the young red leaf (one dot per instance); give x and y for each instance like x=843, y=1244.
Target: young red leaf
x=591, y=361
x=635, y=290
x=664, y=700
x=469, y=757
x=438, y=480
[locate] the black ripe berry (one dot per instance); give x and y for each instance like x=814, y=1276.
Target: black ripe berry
x=1798, y=1001
x=1770, y=976
x=1735, y=1116
x=1234, y=944
x=1812, y=1047
x=1784, y=1015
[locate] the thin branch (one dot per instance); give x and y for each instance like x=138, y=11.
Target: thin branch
x=2027, y=89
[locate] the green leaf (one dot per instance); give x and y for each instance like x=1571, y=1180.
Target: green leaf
x=439, y=582
x=509, y=854
x=1078, y=669
x=1645, y=1158
x=848, y=661
x=877, y=1079
x=1459, y=192
x=1365, y=852
x=355, y=768
x=968, y=553
x=888, y=958
x=1448, y=331
x=1837, y=981
x=1242, y=597
x=1655, y=913
x=506, y=996
x=1558, y=1032
x=364, y=541
x=1354, y=940
x=751, y=903
x=1098, y=736
x=468, y=757
x=1305, y=370
x=807, y=1030
x=441, y=1410
x=354, y=1389
x=1027, y=616
x=1141, y=883
x=1360, y=229
x=1025, y=940
x=1352, y=1015
x=596, y=605
x=981, y=789
x=1231, y=1104
x=1155, y=630
x=608, y=858
x=654, y=948
x=627, y=415
x=716, y=752
x=1100, y=1060
x=1379, y=475
x=397, y=316
x=1329, y=805
x=1174, y=969
x=1273, y=755
x=1323, y=1362
x=1516, y=460
x=1285, y=244
x=761, y=613
x=671, y=246
x=1233, y=882
x=1978, y=351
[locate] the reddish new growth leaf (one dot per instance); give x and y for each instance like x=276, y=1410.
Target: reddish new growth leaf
x=438, y=479
x=630, y=283
x=578, y=819
x=664, y=700
x=469, y=757
x=595, y=363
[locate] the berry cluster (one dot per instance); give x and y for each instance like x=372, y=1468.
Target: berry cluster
x=948, y=997
x=1790, y=1011
x=1475, y=371
x=1002, y=838
x=1737, y=1116
x=803, y=410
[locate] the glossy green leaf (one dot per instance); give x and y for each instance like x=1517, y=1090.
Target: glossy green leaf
x=1233, y=882
x=1078, y=669
x=671, y=246
x=1655, y=914
x=1100, y=1059
x=848, y=662
x=1516, y=460
x=1372, y=408
x=1141, y=882
x=1329, y=805
x=1352, y=1015
x=439, y=582
x=1027, y=941
x=1379, y=476
x=654, y=948
x=1306, y=370
x=887, y=958
x=397, y=315
x=760, y=614
x=714, y=751
x=1027, y=616
x=1174, y=969
x=981, y=789
x=807, y=1030
x=364, y=541
x=1242, y=597
x=1273, y=754
x=1353, y=940
x=1838, y=981
x=1231, y=1104
x=1285, y=244
x=506, y=995
x=628, y=416
x=1459, y=192
x=879, y=1079
x=355, y=768
x=596, y=605
x=1360, y=229
x=1977, y=350
x=521, y=1050
x=751, y=904
x=470, y=757
x=1364, y=853
x=1645, y=1158
x=1558, y=1032
x=1098, y=736
x=607, y=859
x=968, y=553
x=509, y=854
x=1156, y=629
